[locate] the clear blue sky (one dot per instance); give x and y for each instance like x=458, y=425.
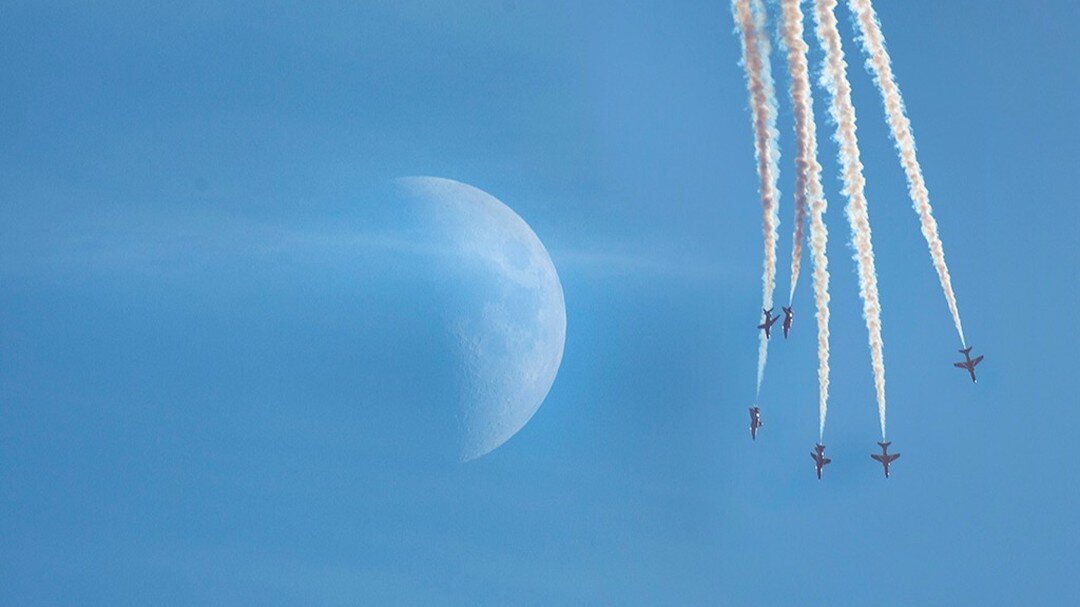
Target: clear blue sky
x=199, y=365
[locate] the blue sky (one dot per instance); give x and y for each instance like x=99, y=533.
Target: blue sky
x=208, y=382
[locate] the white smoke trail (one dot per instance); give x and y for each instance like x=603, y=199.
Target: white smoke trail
x=759, y=82
x=797, y=237
x=880, y=65
x=791, y=32
x=808, y=187
x=834, y=79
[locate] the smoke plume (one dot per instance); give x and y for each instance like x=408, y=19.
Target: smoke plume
x=834, y=79
x=808, y=191
x=879, y=64
x=759, y=82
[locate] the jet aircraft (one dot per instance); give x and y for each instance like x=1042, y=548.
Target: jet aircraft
x=755, y=422
x=789, y=317
x=769, y=321
x=820, y=461
x=885, y=458
x=969, y=362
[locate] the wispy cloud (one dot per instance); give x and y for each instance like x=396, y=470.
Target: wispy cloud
x=619, y=262
x=168, y=243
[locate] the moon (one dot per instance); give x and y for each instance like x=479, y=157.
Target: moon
x=509, y=325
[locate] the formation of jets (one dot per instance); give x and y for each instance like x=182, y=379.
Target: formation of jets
x=770, y=320
x=820, y=461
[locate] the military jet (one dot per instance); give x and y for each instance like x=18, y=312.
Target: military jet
x=885, y=458
x=789, y=317
x=820, y=461
x=769, y=321
x=969, y=362
x=755, y=422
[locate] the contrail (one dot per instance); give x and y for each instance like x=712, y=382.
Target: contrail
x=878, y=62
x=808, y=189
x=759, y=82
x=834, y=79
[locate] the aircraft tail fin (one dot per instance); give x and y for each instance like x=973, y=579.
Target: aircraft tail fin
x=885, y=445
x=966, y=350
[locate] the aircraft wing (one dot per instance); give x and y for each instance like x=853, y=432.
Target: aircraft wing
x=877, y=457
x=961, y=365
x=976, y=360
x=894, y=457
x=826, y=461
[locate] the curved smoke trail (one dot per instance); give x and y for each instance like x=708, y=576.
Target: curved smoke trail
x=808, y=184
x=759, y=82
x=834, y=79
x=880, y=65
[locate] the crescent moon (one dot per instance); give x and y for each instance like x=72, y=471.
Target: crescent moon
x=511, y=336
